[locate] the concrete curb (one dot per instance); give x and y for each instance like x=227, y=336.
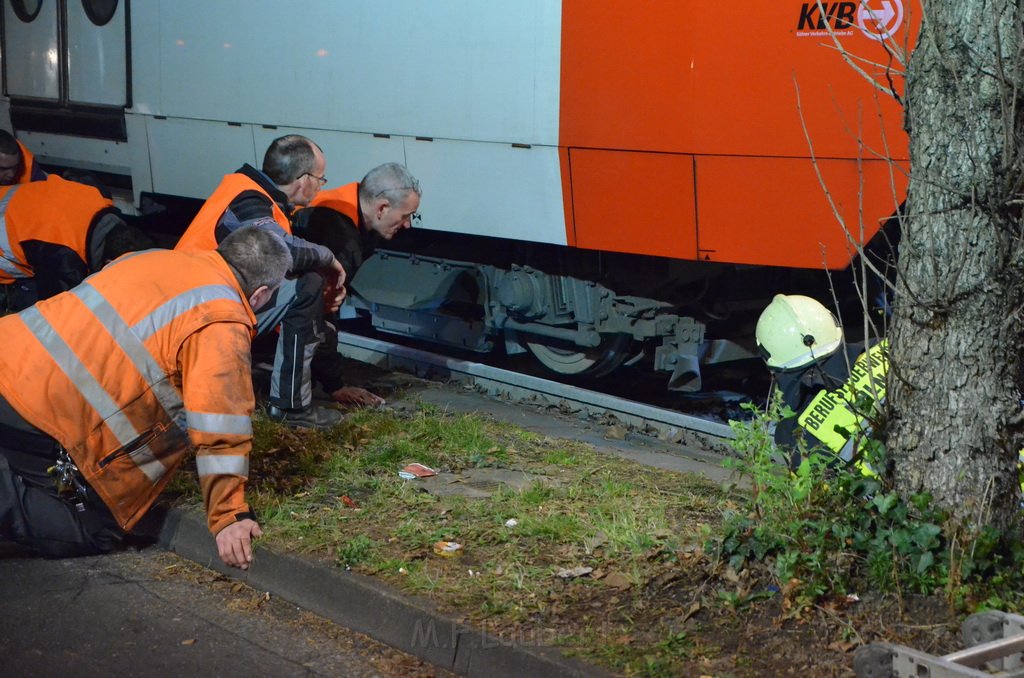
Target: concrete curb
x=362, y=604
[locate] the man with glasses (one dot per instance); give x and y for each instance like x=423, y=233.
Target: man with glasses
x=17, y=165
x=292, y=174
x=352, y=220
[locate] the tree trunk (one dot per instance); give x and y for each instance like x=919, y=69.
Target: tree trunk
x=956, y=424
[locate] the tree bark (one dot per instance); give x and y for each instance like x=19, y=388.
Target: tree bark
x=956, y=341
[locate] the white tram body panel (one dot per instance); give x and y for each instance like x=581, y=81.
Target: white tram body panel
x=363, y=83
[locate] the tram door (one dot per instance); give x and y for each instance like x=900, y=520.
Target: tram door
x=65, y=66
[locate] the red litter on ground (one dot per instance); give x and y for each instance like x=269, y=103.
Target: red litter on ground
x=416, y=470
x=447, y=548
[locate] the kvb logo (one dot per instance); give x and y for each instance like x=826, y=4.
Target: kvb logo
x=876, y=19
x=881, y=23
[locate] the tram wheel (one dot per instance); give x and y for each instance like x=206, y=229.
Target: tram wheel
x=584, y=362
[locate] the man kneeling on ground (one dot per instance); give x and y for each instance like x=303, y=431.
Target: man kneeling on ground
x=104, y=390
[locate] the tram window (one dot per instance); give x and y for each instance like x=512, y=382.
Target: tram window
x=100, y=11
x=26, y=10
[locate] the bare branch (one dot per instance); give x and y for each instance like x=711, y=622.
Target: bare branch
x=896, y=54
x=853, y=242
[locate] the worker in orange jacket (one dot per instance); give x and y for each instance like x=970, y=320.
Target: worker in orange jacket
x=53, y=233
x=352, y=220
x=105, y=389
x=17, y=164
x=292, y=173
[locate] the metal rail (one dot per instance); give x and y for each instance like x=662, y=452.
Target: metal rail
x=497, y=381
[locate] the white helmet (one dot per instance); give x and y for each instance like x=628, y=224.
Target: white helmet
x=794, y=331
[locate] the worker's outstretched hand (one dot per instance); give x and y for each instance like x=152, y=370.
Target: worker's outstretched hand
x=234, y=543
x=334, y=287
x=353, y=395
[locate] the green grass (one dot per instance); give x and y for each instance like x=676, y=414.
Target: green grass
x=584, y=509
x=677, y=565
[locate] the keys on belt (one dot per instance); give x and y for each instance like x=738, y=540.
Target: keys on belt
x=68, y=480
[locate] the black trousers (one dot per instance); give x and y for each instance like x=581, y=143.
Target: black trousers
x=327, y=368
x=298, y=308
x=32, y=513
x=19, y=295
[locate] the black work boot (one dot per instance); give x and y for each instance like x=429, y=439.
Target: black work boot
x=314, y=417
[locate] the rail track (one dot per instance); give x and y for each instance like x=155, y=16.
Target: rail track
x=666, y=424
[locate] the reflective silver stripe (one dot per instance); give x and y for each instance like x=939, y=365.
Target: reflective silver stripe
x=7, y=260
x=222, y=465
x=133, y=347
x=71, y=365
x=148, y=368
x=7, y=266
x=235, y=424
x=10, y=269
x=186, y=301
x=846, y=454
x=148, y=464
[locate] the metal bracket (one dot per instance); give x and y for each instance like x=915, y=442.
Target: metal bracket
x=994, y=642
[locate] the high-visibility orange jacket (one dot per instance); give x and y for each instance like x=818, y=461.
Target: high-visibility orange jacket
x=239, y=191
x=344, y=199
x=145, y=360
x=29, y=171
x=333, y=219
x=201, y=233
x=57, y=212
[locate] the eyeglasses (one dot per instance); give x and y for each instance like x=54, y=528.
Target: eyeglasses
x=322, y=180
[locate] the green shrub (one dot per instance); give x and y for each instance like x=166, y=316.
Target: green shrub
x=826, y=527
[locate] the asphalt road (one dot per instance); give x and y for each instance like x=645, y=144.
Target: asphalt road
x=150, y=613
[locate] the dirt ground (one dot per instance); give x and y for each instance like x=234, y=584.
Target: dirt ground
x=681, y=612
x=764, y=638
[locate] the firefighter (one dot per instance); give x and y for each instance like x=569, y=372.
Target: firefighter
x=17, y=164
x=104, y=389
x=824, y=380
x=292, y=173
x=54, y=233
x=352, y=220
